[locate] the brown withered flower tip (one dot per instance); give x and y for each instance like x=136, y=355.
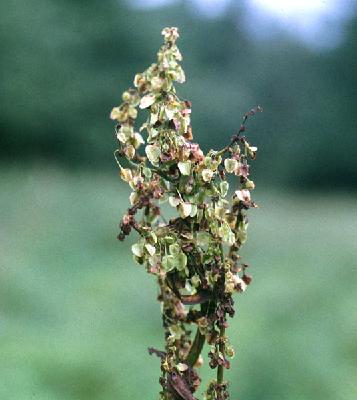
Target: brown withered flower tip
x=194, y=254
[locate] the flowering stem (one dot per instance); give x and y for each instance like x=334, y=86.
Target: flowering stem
x=186, y=252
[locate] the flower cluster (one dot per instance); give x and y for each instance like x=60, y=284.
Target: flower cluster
x=194, y=255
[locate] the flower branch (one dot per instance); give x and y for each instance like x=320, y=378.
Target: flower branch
x=196, y=279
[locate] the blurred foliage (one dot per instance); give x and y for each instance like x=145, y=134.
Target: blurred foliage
x=74, y=325
x=65, y=63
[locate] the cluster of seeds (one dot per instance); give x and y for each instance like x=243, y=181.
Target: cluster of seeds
x=194, y=254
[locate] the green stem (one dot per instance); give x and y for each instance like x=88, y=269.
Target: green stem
x=199, y=340
x=222, y=331
x=196, y=348
x=220, y=369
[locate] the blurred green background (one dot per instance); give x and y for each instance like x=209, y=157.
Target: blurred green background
x=76, y=313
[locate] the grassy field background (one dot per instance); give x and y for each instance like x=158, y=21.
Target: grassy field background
x=77, y=314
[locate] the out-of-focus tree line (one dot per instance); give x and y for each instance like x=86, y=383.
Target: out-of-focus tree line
x=65, y=63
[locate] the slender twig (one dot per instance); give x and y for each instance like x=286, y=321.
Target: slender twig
x=236, y=137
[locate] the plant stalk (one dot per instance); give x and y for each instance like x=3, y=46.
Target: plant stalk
x=220, y=368
x=222, y=331
x=199, y=340
x=196, y=348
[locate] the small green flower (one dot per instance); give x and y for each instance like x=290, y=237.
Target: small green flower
x=138, y=249
x=243, y=195
x=153, y=153
x=181, y=367
x=147, y=172
x=174, y=201
x=184, y=167
x=224, y=186
x=203, y=239
x=150, y=249
x=170, y=34
x=147, y=101
x=168, y=263
x=195, y=280
x=230, y=164
x=132, y=112
x=252, y=150
x=126, y=174
x=186, y=209
x=125, y=133
x=207, y=175
x=174, y=261
x=180, y=261
x=174, y=249
x=137, y=140
x=250, y=185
